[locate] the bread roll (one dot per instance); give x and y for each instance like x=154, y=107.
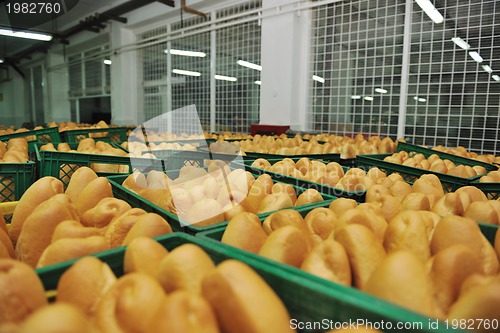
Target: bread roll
x=376, y=223
x=21, y=291
x=40, y=191
x=273, y=202
x=143, y=255
x=288, y=245
x=282, y=218
x=450, y=268
x=80, y=178
x=474, y=193
x=156, y=180
x=375, y=193
x=85, y=283
x=55, y=318
x=409, y=231
x=260, y=189
x=184, y=268
x=130, y=304
x=429, y=184
x=401, y=278
x=449, y=204
x=320, y=223
x=482, y=211
x=38, y=228
x=148, y=225
x=261, y=164
x=285, y=188
x=184, y=312
x=391, y=206
x=232, y=209
x=340, y=205
x=70, y=248
x=308, y=196
x=119, y=227
x=204, y=212
x=481, y=302
x=364, y=249
x=105, y=210
x=242, y=299
x=245, y=232
x=329, y=261
x=416, y=201
x=136, y=182
x=400, y=189
x=91, y=194
x=6, y=244
x=74, y=229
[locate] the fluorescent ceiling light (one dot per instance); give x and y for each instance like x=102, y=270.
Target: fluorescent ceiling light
x=422, y=100
x=487, y=69
x=381, y=90
x=318, y=78
x=25, y=34
x=415, y=98
x=431, y=11
x=107, y=62
x=474, y=55
x=461, y=43
x=368, y=98
x=249, y=65
x=1, y=61
x=356, y=97
x=225, y=78
x=258, y=82
x=186, y=53
x=183, y=72
x=496, y=77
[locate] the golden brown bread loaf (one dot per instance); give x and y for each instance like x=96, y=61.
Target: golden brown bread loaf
x=70, y=248
x=288, y=245
x=119, y=227
x=143, y=255
x=245, y=232
x=329, y=261
x=273, y=202
x=232, y=209
x=136, y=182
x=375, y=193
x=282, y=218
x=474, y=193
x=449, y=204
x=308, y=196
x=6, y=244
x=481, y=302
x=130, y=304
x=40, y=191
x=148, y=225
x=74, y=229
x=204, y=212
x=482, y=211
x=416, y=201
x=410, y=231
x=401, y=278
x=287, y=189
x=260, y=188
x=79, y=180
x=320, y=224
x=95, y=191
x=374, y=221
x=364, y=249
x=38, y=228
x=85, y=283
x=21, y=291
x=241, y=298
x=184, y=268
x=185, y=312
x=340, y=205
x=101, y=214
x=58, y=317
x=450, y=268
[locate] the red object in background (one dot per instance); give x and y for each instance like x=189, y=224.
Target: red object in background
x=268, y=129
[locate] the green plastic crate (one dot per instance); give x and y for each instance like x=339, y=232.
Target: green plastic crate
x=359, y=196
x=114, y=134
x=44, y=135
x=307, y=299
x=135, y=200
x=330, y=157
x=410, y=174
x=62, y=164
x=15, y=178
x=404, y=146
x=489, y=231
x=492, y=190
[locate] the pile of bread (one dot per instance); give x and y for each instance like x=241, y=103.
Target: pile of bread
x=68, y=126
x=205, y=197
x=462, y=151
x=11, y=130
x=440, y=266
x=141, y=149
x=14, y=151
x=89, y=146
x=317, y=171
x=491, y=177
x=435, y=163
x=230, y=136
x=156, y=136
x=51, y=225
x=347, y=147
x=181, y=291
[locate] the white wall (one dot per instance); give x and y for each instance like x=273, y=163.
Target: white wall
x=12, y=103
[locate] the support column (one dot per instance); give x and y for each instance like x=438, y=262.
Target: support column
x=125, y=82
x=58, y=105
x=285, y=65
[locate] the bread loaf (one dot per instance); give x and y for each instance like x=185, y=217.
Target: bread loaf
x=6, y=244
x=21, y=291
x=95, y=191
x=288, y=245
x=148, y=225
x=241, y=299
x=85, y=283
x=107, y=209
x=282, y=218
x=245, y=232
x=40, y=191
x=320, y=224
x=340, y=205
x=204, y=212
x=308, y=196
x=372, y=220
x=143, y=255
x=119, y=227
x=184, y=268
x=74, y=229
x=79, y=180
x=136, y=182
